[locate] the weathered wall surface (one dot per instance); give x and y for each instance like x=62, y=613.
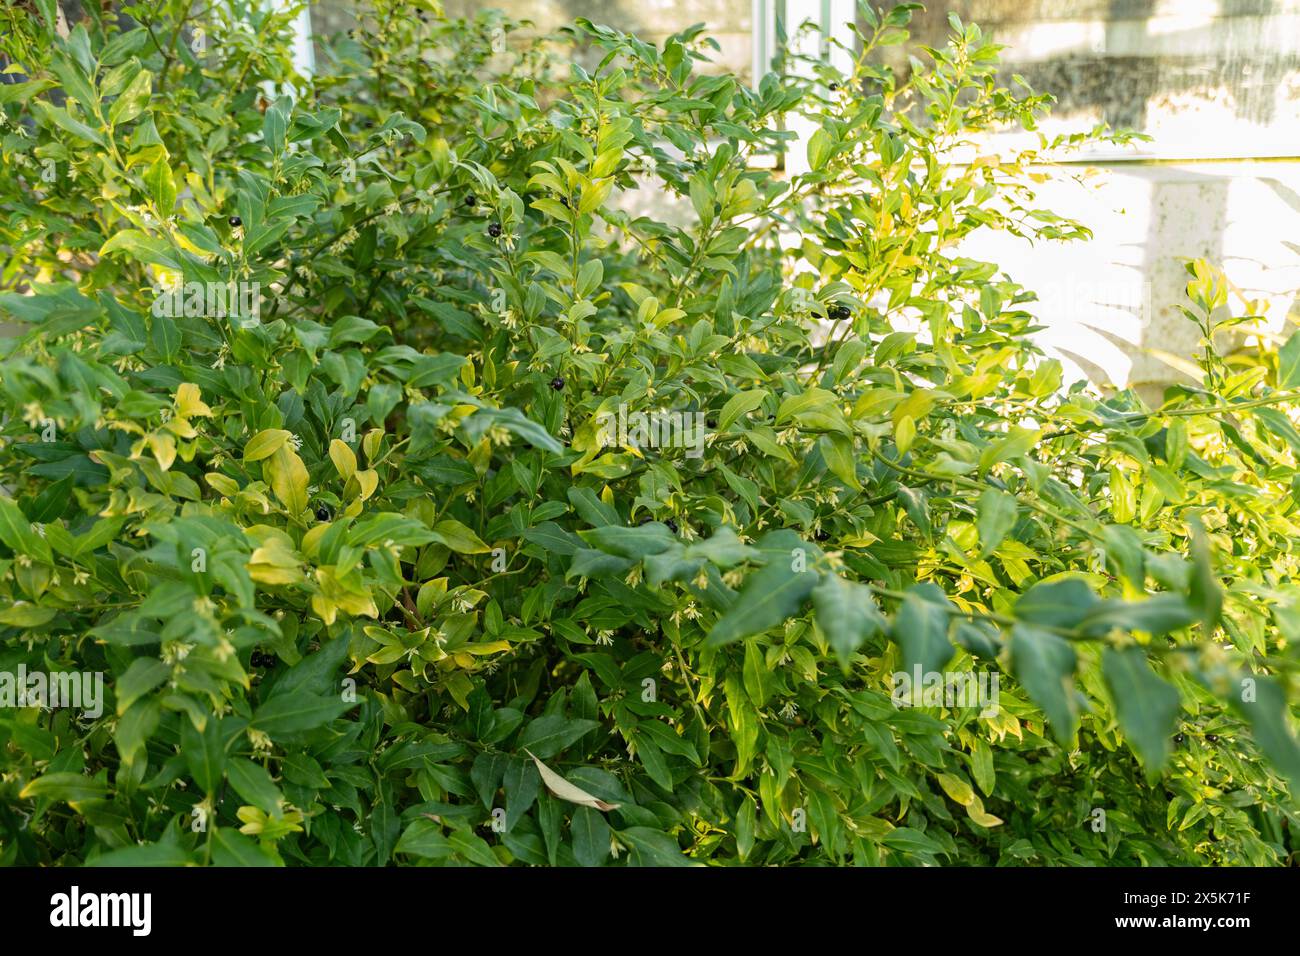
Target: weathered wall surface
x=1189, y=72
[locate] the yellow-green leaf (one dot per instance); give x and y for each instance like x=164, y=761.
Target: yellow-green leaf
x=265, y=444
x=288, y=478
x=459, y=538
x=344, y=458
x=975, y=810
x=956, y=788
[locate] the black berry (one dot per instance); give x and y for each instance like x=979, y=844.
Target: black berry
x=1212, y=738
x=235, y=222
x=1179, y=738
x=823, y=535
x=494, y=230
x=833, y=87
x=564, y=202
x=711, y=423
x=322, y=513
x=672, y=525
x=557, y=383
x=839, y=312
x=471, y=200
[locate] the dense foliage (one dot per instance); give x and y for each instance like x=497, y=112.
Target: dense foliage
x=386, y=571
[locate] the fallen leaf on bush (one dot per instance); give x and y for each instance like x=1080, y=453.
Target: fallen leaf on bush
x=567, y=791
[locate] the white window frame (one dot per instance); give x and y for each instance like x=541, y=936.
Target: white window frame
x=836, y=19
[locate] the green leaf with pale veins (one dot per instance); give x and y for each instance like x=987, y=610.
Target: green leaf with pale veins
x=590, y=833
x=253, y=782
x=770, y=597
x=296, y=712
x=995, y=517
x=547, y=736
x=1288, y=363
x=846, y=613
x=205, y=754
x=1044, y=663
x=1262, y=701
x=636, y=542
x=1062, y=603
x=921, y=629
x=1147, y=707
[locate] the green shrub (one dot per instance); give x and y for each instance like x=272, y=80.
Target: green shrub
x=389, y=570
